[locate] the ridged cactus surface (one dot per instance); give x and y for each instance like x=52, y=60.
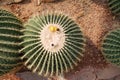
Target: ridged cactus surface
x=10, y=34
x=53, y=44
x=114, y=5
x=111, y=47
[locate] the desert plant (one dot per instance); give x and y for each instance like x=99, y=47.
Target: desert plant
x=114, y=5
x=111, y=47
x=10, y=34
x=53, y=44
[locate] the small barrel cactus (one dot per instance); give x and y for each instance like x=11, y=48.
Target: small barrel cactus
x=111, y=47
x=10, y=34
x=53, y=44
x=114, y=5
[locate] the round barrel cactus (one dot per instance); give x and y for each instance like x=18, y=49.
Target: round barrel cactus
x=114, y=5
x=10, y=41
x=53, y=44
x=111, y=47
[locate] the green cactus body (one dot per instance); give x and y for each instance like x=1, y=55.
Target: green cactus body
x=111, y=47
x=10, y=34
x=53, y=44
x=114, y=5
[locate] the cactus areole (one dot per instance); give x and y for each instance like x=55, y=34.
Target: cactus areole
x=53, y=44
x=10, y=34
x=111, y=47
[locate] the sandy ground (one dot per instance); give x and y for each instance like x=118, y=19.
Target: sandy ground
x=93, y=16
x=9, y=77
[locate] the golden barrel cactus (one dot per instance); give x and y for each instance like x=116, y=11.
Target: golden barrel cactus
x=53, y=44
x=10, y=41
x=111, y=47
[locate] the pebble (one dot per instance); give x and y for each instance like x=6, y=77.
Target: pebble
x=108, y=73
x=30, y=76
x=17, y=1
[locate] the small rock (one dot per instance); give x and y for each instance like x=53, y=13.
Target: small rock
x=60, y=77
x=30, y=76
x=118, y=77
x=108, y=73
x=85, y=74
x=17, y=1
x=45, y=1
x=5, y=2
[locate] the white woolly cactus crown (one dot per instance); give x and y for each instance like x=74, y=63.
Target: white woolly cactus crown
x=53, y=44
